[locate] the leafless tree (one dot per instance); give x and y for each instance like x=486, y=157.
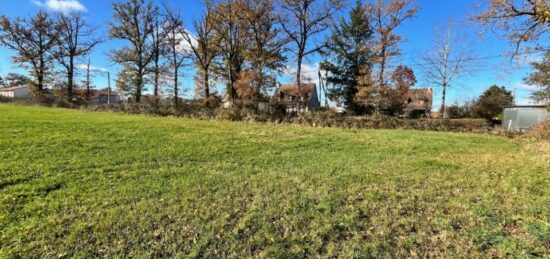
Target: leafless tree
x=204, y=45
x=33, y=40
x=448, y=59
x=520, y=21
x=87, y=82
x=76, y=39
x=160, y=49
x=385, y=18
x=133, y=21
x=303, y=20
x=178, y=52
x=233, y=32
x=266, y=48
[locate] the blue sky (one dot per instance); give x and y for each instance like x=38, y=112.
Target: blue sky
x=417, y=34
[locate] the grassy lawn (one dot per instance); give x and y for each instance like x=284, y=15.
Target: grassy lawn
x=79, y=184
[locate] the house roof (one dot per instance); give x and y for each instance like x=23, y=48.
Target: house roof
x=13, y=88
x=420, y=99
x=305, y=90
x=532, y=106
x=99, y=93
x=421, y=94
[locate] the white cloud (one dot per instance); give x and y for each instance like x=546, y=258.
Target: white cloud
x=309, y=73
x=184, y=47
x=60, y=5
x=92, y=68
x=523, y=86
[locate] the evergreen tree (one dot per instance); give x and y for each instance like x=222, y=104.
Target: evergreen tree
x=492, y=102
x=541, y=78
x=348, y=56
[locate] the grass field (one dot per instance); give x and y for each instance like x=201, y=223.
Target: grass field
x=78, y=184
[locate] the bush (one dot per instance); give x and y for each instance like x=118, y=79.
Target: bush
x=459, y=111
x=541, y=131
x=325, y=118
x=276, y=114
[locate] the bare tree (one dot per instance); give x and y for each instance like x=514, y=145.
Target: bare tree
x=33, y=40
x=232, y=30
x=87, y=82
x=159, y=45
x=520, y=21
x=302, y=20
x=76, y=39
x=447, y=61
x=204, y=45
x=385, y=18
x=133, y=21
x=265, y=51
x=178, y=52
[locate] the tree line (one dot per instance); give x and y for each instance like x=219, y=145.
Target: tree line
x=246, y=44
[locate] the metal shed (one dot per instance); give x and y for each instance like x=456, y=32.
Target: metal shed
x=524, y=118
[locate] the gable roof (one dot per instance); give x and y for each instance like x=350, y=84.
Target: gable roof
x=13, y=88
x=99, y=93
x=420, y=99
x=292, y=90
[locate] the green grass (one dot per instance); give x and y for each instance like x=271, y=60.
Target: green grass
x=79, y=184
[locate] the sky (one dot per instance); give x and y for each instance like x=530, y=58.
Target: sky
x=417, y=33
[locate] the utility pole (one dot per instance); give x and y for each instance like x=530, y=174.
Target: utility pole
x=320, y=83
x=325, y=88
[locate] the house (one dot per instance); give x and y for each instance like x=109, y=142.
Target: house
x=297, y=99
x=15, y=91
x=102, y=97
x=524, y=117
x=419, y=102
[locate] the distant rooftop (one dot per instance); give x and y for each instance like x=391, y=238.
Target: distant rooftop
x=532, y=106
x=13, y=88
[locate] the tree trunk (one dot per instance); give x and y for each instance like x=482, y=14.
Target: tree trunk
x=88, y=92
x=176, y=86
x=70, y=80
x=157, y=75
x=40, y=77
x=206, y=84
x=40, y=83
x=138, y=86
x=299, y=77
x=299, y=71
x=443, y=107
x=156, y=90
x=382, y=66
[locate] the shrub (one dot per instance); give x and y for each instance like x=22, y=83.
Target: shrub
x=541, y=131
x=276, y=114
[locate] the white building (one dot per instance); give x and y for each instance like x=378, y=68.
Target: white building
x=102, y=97
x=524, y=117
x=15, y=91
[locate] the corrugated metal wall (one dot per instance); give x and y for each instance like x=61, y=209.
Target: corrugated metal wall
x=523, y=119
